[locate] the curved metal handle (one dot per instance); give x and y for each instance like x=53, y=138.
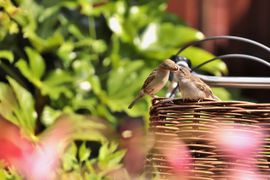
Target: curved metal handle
x=228, y=56
x=236, y=38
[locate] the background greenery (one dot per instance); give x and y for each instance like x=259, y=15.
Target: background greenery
x=86, y=57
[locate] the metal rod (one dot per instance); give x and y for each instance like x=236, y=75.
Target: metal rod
x=236, y=82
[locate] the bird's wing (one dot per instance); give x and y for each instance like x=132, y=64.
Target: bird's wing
x=150, y=78
x=202, y=86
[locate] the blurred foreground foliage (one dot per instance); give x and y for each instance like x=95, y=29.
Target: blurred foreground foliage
x=86, y=57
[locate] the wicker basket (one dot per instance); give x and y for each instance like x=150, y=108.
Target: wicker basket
x=193, y=122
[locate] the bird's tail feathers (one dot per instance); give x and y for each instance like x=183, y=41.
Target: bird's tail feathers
x=216, y=98
x=135, y=100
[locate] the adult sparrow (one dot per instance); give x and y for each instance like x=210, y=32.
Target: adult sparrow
x=192, y=87
x=156, y=80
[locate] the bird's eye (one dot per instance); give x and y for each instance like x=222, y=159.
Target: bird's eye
x=181, y=69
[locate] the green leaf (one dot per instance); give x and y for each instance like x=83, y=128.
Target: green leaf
x=48, y=12
x=5, y=54
x=9, y=108
x=124, y=84
x=56, y=83
x=13, y=28
x=99, y=46
x=123, y=77
x=58, y=77
x=115, y=25
x=222, y=94
x=26, y=71
x=165, y=36
x=9, y=174
x=65, y=52
x=116, y=158
x=36, y=62
x=109, y=157
x=17, y=106
x=171, y=35
x=41, y=44
x=69, y=159
x=95, y=84
x=149, y=36
x=75, y=31
x=26, y=104
x=198, y=56
x=103, y=151
x=84, y=152
x=103, y=111
x=49, y=115
x=3, y=174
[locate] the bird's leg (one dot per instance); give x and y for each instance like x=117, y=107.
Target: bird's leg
x=169, y=100
x=154, y=98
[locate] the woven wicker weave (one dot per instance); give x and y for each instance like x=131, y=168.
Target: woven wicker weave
x=193, y=122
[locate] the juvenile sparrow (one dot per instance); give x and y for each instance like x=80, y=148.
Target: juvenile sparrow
x=192, y=87
x=156, y=80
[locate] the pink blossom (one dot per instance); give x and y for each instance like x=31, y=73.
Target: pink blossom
x=179, y=158
x=240, y=173
x=33, y=160
x=238, y=142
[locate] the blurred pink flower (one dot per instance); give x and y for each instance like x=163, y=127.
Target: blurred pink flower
x=238, y=142
x=245, y=174
x=13, y=144
x=34, y=160
x=179, y=158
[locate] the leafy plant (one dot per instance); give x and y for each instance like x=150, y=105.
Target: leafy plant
x=88, y=58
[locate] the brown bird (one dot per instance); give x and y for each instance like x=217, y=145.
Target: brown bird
x=192, y=87
x=156, y=80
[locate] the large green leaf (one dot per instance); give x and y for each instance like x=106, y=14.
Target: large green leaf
x=9, y=108
x=166, y=35
x=171, y=35
x=17, y=106
x=26, y=104
x=123, y=78
x=198, y=56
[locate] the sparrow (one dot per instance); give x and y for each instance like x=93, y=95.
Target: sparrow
x=156, y=80
x=180, y=61
x=192, y=87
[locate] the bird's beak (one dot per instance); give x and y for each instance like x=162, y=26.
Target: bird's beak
x=176, y=68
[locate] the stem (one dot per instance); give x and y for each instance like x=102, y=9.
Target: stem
x=92, y=30
x=10, y=73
